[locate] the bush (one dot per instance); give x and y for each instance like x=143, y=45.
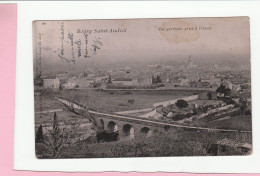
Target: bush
x=131, y=101
x=181, y=103
x=121, y=104
x=227, y=100
x=248, y=112
x=178, y=117
x=158, y=145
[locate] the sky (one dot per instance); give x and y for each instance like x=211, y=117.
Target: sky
x=140, y=40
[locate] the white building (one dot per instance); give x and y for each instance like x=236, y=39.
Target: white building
x=123, y=81
x=51, y=83
x=142, y=81
x=215, y=81
x=69, y=85
x=184, y=82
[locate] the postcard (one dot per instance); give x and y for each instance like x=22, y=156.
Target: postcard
x=142, y=88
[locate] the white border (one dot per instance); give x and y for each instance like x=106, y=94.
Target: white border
x=24, y=120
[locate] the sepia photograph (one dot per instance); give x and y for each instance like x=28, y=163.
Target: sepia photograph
x=158, y=87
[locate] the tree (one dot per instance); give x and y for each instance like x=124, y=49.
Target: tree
x=39, y=135
x=109, y=79
x=55, y=124
x=158, y=79
x=223, y=90
x=209, y=94
x=57, y=139
x=154, y=80
x=181, y=104
x=243, y=106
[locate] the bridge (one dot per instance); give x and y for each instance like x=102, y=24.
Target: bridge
x=130, y=127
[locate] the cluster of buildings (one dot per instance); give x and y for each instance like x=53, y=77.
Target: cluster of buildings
x=152, y=76
x=198, y=106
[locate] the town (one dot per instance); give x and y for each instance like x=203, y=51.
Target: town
x=187, y=76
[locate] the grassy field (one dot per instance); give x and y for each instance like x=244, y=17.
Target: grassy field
x=240, y=122
x=46, y=102
x=243, y=122
x=64, y=116
x=114, y=101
